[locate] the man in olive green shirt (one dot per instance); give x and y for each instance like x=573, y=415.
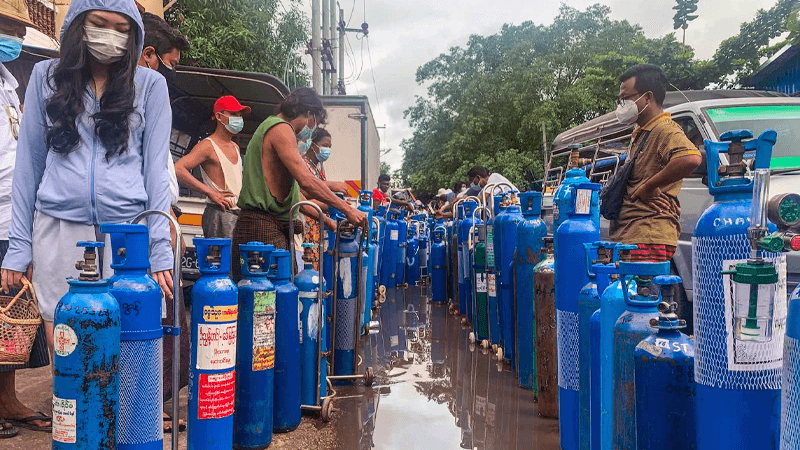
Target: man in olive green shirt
x=650, y=214
x=274, y=172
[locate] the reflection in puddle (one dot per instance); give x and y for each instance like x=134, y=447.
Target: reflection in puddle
x=432, y=391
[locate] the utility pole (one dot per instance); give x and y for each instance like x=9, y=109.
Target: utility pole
x=333, y=40
x=316, y=40
x=326, y=38
x=341, y=52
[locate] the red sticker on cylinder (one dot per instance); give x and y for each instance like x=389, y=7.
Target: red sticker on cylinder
x=215, y=395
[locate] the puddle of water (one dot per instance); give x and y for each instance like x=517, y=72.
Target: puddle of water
x=433, y=392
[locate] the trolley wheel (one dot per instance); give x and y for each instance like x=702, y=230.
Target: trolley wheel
x=494, y=348
x=452, y=308
x=500, y=354
x=369, y=376
x=463, y=321
x=472, y=338
x=485, y=343
x=471, y=347
x=327, y=410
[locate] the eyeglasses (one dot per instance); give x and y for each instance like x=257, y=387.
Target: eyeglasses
x=13, y=120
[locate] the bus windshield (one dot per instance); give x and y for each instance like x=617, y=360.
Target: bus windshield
x=785, y=119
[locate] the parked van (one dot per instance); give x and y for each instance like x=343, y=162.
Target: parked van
x=702, y=115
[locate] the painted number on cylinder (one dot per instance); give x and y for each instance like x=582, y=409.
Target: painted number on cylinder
x=676, y=346
x=263, y=330
x=216, y=346
x=64, y=420
x=215, y=395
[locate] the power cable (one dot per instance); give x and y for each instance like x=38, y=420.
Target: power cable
x=372, y=71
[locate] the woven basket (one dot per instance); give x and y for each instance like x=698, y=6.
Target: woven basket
x=19, y=321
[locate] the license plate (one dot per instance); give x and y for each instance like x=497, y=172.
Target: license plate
x=189, y=260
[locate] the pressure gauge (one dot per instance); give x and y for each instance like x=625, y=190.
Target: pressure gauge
x=784, y=210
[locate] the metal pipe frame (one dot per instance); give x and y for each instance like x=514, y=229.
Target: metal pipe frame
x=175, y=330
x=320, y=293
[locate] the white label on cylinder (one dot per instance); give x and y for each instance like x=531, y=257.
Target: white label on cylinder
x=394, y=235
x=492, y=285
x=751, y=355
x=583, y=201
x=64, y=340
x=480, y=283
x=216, y=346
x=65, y=414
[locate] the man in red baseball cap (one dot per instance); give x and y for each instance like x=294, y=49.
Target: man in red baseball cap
x=220, y=168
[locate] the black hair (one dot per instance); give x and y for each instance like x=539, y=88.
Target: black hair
x=478, y=171
x=648, y=78
x=457, y=186
x=319, y=134
x=162, y=37
x=300, y=101
x=383, y=178
x=69, y=79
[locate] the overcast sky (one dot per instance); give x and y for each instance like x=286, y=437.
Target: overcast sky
x=406, y=34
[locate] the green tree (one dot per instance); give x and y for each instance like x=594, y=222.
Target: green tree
x=486, y=101
x=248, y=35
x=683, y=15
x=385, y=168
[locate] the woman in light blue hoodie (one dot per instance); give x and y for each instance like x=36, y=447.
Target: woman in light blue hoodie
x=91, y=150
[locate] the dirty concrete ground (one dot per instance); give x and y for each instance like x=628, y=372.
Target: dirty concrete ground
x=432, y=391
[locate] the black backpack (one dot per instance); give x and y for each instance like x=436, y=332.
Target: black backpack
x=613, y=191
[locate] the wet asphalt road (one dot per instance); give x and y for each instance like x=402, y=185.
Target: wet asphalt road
x=433, y=392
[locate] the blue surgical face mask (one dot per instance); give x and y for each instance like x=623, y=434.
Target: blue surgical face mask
x=235, y=124
x=323, y=154
x=10, y=47
x=303, y=147
x=306, y=133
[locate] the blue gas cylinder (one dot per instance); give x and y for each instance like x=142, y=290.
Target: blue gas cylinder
x=597, y=254
x=367, y=280
x=86, y=337
x=571, y=275
x=492, y=283
x=255, y=350
x=530, y=251
x=562, y=199
x=389, y=253
x=412, y=255
x=286, y=413
x=790, y=401
x=439, y=266
x=141, y=348
x=465, y=294
x=506, y=230
x=631, y=328
x=747, y=386
x=664, y=379
x=402, y=248
x=365, y=205
x=346, y=298
x=612, y=305
x=212, y=378
x=314, y=361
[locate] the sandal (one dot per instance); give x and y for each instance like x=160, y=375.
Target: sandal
x=27, y=422
x=168, y=429
x=7, y=430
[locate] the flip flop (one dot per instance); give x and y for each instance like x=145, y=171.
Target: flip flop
x=7, y=430
x=27, y=422
x=168, y=418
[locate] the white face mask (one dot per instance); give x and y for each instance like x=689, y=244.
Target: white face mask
x=627, y=112
x=106, y=45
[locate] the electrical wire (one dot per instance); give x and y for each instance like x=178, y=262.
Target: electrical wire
x=372, y=71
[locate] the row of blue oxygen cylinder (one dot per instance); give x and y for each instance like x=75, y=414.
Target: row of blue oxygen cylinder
x=260, y=350
x=627, y=377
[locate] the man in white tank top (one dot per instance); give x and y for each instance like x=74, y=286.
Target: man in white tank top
x=220, y=167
